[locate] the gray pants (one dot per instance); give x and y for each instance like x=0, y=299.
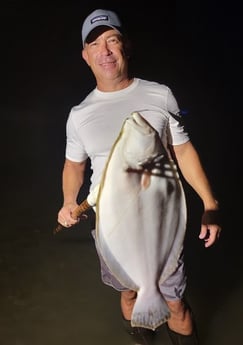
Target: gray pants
x=172, y=289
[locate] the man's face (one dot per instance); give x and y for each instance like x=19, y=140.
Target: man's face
x=104, y=53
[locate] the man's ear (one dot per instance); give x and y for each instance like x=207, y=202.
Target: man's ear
x=85, y=56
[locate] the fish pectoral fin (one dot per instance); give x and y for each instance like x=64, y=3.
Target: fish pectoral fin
x=145, y=180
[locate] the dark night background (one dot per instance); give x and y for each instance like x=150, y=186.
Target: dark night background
x=50, y=289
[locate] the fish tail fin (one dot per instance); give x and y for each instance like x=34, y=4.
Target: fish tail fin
x=150, y=311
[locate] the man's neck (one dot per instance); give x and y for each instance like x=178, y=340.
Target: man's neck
x=115, y=85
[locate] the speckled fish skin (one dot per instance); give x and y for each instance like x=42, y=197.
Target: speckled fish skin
x=141, y=218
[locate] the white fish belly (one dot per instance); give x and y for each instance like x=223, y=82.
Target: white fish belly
x=140, y=237
x=140, y=232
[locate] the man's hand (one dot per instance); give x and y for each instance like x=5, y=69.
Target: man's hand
x=65, y=215
x=211, y=227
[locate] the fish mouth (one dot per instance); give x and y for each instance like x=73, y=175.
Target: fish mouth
x=138, y=122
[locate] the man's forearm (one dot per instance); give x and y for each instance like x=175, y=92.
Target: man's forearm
x=73, y=178
x=193, y=172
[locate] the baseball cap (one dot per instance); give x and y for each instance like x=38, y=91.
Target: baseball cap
x=97, y=18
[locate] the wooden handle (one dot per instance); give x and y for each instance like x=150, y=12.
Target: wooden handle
x=83, y=207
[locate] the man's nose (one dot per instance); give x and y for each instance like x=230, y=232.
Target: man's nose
x=105, y=48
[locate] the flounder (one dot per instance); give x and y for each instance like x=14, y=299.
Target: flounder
x=141, y=218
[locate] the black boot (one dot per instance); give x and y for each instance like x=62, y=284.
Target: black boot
x=180, y=339
x=140, y=336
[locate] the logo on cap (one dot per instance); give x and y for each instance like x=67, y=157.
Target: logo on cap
x=98, y=18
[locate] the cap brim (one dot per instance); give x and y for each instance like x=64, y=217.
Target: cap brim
x=97, y=30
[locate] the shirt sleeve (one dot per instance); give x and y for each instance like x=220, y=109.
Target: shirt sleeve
x=177, y=132
x=75, y=150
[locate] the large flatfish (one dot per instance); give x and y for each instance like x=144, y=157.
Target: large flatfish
x=141, y=218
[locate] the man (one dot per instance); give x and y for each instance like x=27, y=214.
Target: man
x=92, y=128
